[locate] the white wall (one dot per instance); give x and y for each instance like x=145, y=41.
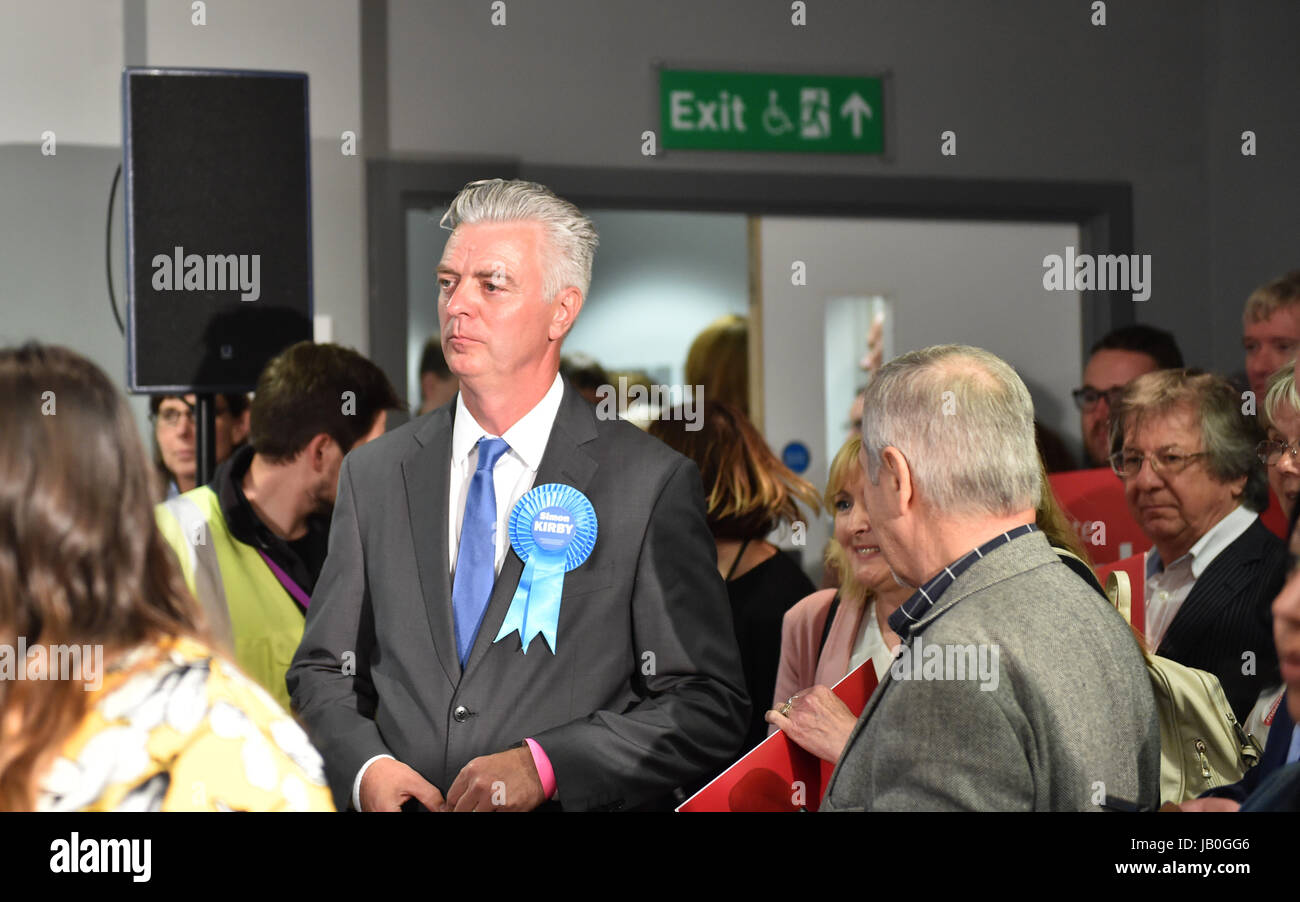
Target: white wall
x=425, y=240
x=972, y=283
x=658, y=281
x=59, y=64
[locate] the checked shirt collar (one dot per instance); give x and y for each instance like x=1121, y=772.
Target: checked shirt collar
x=925, y=598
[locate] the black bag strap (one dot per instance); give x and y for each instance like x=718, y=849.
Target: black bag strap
x=736, y=562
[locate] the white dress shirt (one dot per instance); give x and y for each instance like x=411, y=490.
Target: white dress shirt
x=512, y=477
x=1168, y=585
x=514, y=473
x=870, y=644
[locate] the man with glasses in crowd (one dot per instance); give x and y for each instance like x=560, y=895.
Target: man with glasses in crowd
x=1195, y=485
x=1116, y=360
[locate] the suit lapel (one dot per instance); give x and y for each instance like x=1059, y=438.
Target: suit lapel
x=1219, y=583
x=427, y=473
x=564, y=461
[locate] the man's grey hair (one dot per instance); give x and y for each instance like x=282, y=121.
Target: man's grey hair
x=964, y=421
x=1228, y=436
x=571, y=235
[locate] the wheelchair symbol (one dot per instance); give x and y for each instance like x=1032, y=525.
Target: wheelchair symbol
x=775, y=121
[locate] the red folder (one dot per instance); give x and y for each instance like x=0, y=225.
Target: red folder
x=778, y=775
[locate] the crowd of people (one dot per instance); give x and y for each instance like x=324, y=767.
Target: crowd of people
x=512, y=603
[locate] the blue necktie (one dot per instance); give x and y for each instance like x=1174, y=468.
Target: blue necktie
x=476, y=557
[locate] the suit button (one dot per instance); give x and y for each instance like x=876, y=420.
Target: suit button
x=461, y=714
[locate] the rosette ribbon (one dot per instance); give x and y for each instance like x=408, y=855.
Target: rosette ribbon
x=553, y=530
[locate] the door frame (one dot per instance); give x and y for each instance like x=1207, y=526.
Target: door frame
x=1103, y=212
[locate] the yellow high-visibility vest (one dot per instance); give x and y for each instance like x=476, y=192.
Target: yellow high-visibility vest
x=248, y=611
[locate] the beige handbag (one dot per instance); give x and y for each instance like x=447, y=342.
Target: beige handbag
x=1201, y=744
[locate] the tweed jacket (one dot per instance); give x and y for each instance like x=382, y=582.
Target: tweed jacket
x=1039, y=701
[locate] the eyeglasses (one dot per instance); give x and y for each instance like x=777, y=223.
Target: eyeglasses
x=171, y=417
x=1271, y=452
x=1169, y=461
x=1086, y=398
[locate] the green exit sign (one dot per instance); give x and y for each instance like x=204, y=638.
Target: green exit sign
x=777, y=112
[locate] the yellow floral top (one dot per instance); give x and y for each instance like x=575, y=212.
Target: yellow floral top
x=176, y=728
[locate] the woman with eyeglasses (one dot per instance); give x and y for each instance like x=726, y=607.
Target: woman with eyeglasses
x=175, y=452
x=1187, y=455
x=1280, y=416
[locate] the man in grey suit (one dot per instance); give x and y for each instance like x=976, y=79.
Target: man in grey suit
x=408, y=682
x=1016, y=687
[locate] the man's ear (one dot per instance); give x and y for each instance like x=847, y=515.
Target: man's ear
x=894, y=467
x=565, y=307
x=1238, y=487
x=318, y=450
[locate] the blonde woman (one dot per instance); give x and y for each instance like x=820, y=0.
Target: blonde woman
x=832, y=632
x=1281, y=417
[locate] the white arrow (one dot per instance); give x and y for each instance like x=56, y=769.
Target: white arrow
x=856, y=108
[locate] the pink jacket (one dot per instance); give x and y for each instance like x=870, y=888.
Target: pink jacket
x=801, y=633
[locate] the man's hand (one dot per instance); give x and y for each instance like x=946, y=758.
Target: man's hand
x=817, y=722
x=1209, y=804
x=506, y=781
x=388, y=783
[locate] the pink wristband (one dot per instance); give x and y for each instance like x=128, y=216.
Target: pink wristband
x=544, y=770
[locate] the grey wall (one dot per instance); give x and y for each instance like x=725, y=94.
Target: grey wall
x=1252, y=82
x=52, y=282
x=1030, y=87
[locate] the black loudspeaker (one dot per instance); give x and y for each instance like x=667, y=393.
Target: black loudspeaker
x=218, y=225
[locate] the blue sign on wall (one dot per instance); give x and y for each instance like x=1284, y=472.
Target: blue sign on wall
x=795, y=456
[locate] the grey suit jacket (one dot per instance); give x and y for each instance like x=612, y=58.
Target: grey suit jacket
x=644, y=692
x=1069, y=719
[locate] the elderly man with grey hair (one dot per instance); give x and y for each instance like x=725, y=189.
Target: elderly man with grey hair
x=1016, y=687
x=1193, y=480
x=521, y=606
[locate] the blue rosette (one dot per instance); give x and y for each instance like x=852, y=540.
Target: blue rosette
x=553, y=530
